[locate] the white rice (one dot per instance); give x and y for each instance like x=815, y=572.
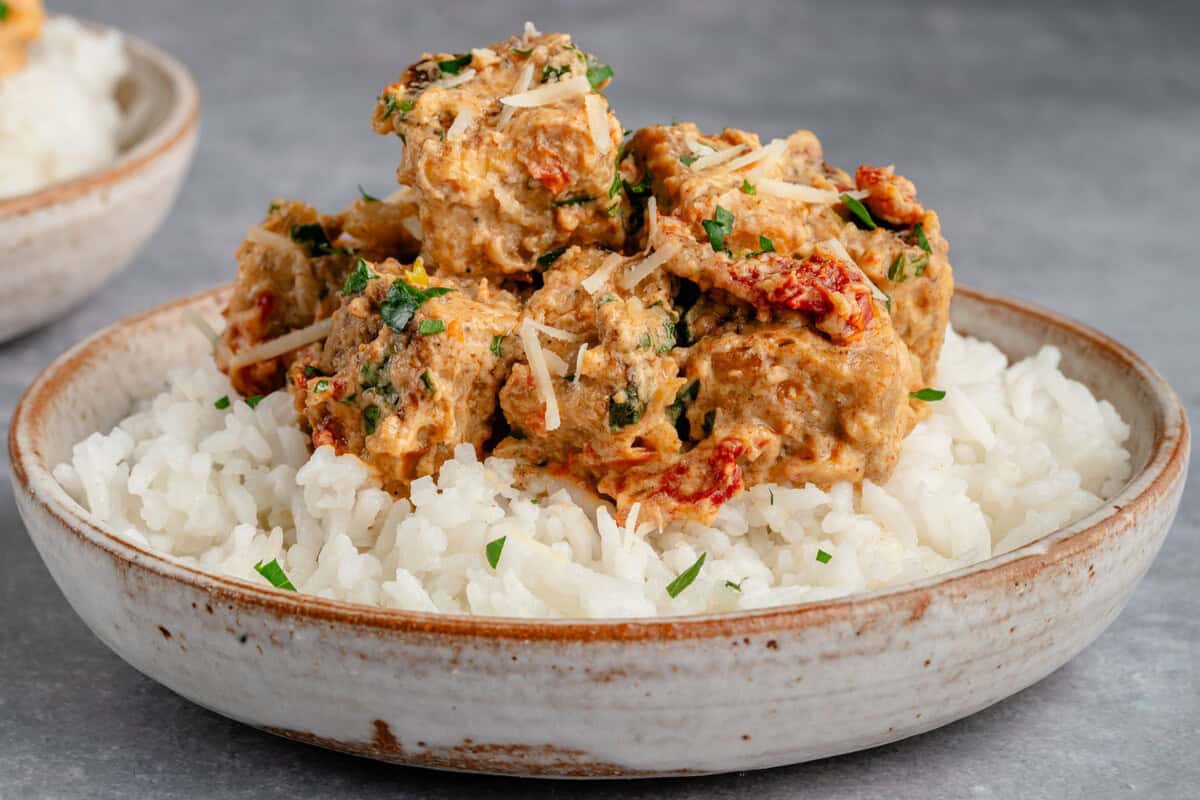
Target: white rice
x=58, y=115
x=1009, y=455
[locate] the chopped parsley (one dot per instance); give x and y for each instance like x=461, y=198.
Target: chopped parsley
x=862, y=217
x=222, y=403
x=685, y=578
x=549, y=72
x=429, y=327
x=919, y=234
x=524, y=53
x=684, y=396
x=370, y=419
x=748, y=188
x=427, y=382
x=271, y=209
x=254, y=400
x=498, y=345
x=577, y=200
x=598, y=74
x=274, y=574
x=719, y=228
x=615, y=186
x=612, y=210
x=403, y=300
x=5, y=8
x=376, y=376
x=710, y=421
x=928, y=395
x=493, y=549
x=646, y=342
x=896, y=270
x=550, y=256
x=686, y=160
x=765, y=245
x=605, y=299
x=625, y=408
x=370, y=198
x=737, y=587
x=823, y=557
x=322, y=386
x=313, y=237
x=640, y=188
x=357, y=280
x=393, y=104
x=310, y=371
x=454, y=65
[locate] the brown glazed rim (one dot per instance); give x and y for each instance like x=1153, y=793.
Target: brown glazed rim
x=1150, y=486
x=181, y=120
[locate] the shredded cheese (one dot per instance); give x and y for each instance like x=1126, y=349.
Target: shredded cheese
x=651, y=223
x=541, y=373
x=553, y=333
x=460, y=124
x=524, y=79
x=758, y=154
x=275, y=241
x=456, y=80
x=595, y=282
x=200, y=324
x=485, y=56
x=636, y=273
x=555, y=363
x=579, y=360
x=597, y=118
x=531, y=30
x=293, y=340
x=413, y=226
x=770, y=155
x=806, y=194
x=405, y=194
x=838, y=249
x=550, y=93
x=699, y=148
x=719, y=157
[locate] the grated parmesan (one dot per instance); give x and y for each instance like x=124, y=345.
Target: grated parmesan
x=652, y=223
x=541, y=373
x=553, y=333
x=457, y=80
x=550, y=93
x=718, y=157
x=405, y=194
x=275, y=241
x=523, y=82
x=531, y=29
x=838, y=249
x=770, y=155
x=636, y=273
x=597, y=116
x=293, y=340
x=595, y=282
x=555, y=363
x=460, y=124
x=579, y=360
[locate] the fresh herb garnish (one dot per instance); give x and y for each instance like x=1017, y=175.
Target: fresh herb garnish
x=710, y=421
x=222, y=403
x=254, y=400
x=314, y=238
x=370, y=419
x=357, y=280
x=668, y=340
x=823, y=557
x=494, y=549
x=4, y=9
x=274, y=574
x=686, y=160
x=896, y=270
x=454, y=65
x=498, y=345
x=862, y=217
x=612, y=210
x=615, y=186
x=748, y=188
x=575, y=201
x=646, y=342
x=625, y=408
x=549, y=72
x=403, y=300
x=310, y=371
x=919, y=235
x=605, y=299
x=685, y=578
x=431, y=326
x=684, y=396
x=271, y=209
x=525, y=53
x=928, y=395
x=737, y=587
x=550, y=256
x=765, y=245
x=394, y=104
x=718, y=228
x=427, y=382
x=370, y=198
x=322, y=386
x=640, y=188
x=598, y=74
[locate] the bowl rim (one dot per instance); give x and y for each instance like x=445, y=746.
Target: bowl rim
x=181, y=120
x=1165, y=467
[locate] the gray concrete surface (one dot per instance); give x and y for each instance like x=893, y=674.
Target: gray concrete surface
x=1059, y=144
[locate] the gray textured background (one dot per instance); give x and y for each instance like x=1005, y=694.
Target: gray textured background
x=1059, y=145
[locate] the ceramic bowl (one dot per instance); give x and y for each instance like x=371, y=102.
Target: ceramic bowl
x=77, y=234
x=676, y=696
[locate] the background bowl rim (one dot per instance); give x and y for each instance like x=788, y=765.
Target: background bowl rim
x=181, y=120
x=1166, y=465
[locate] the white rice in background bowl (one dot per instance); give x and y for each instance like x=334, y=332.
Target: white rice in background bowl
x=59, y=117
x=1011, y=453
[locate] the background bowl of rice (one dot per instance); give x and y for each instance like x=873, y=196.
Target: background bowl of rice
x=60, y=243
x=610, y=697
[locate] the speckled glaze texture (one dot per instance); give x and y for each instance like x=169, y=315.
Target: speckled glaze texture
x=77, y=234
x=619, y=698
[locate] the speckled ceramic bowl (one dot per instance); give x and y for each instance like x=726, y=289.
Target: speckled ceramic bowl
x=613, y=698
x=77, y=234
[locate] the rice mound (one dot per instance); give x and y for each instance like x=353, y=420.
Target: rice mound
x=58, y=115
x=1010, y=454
